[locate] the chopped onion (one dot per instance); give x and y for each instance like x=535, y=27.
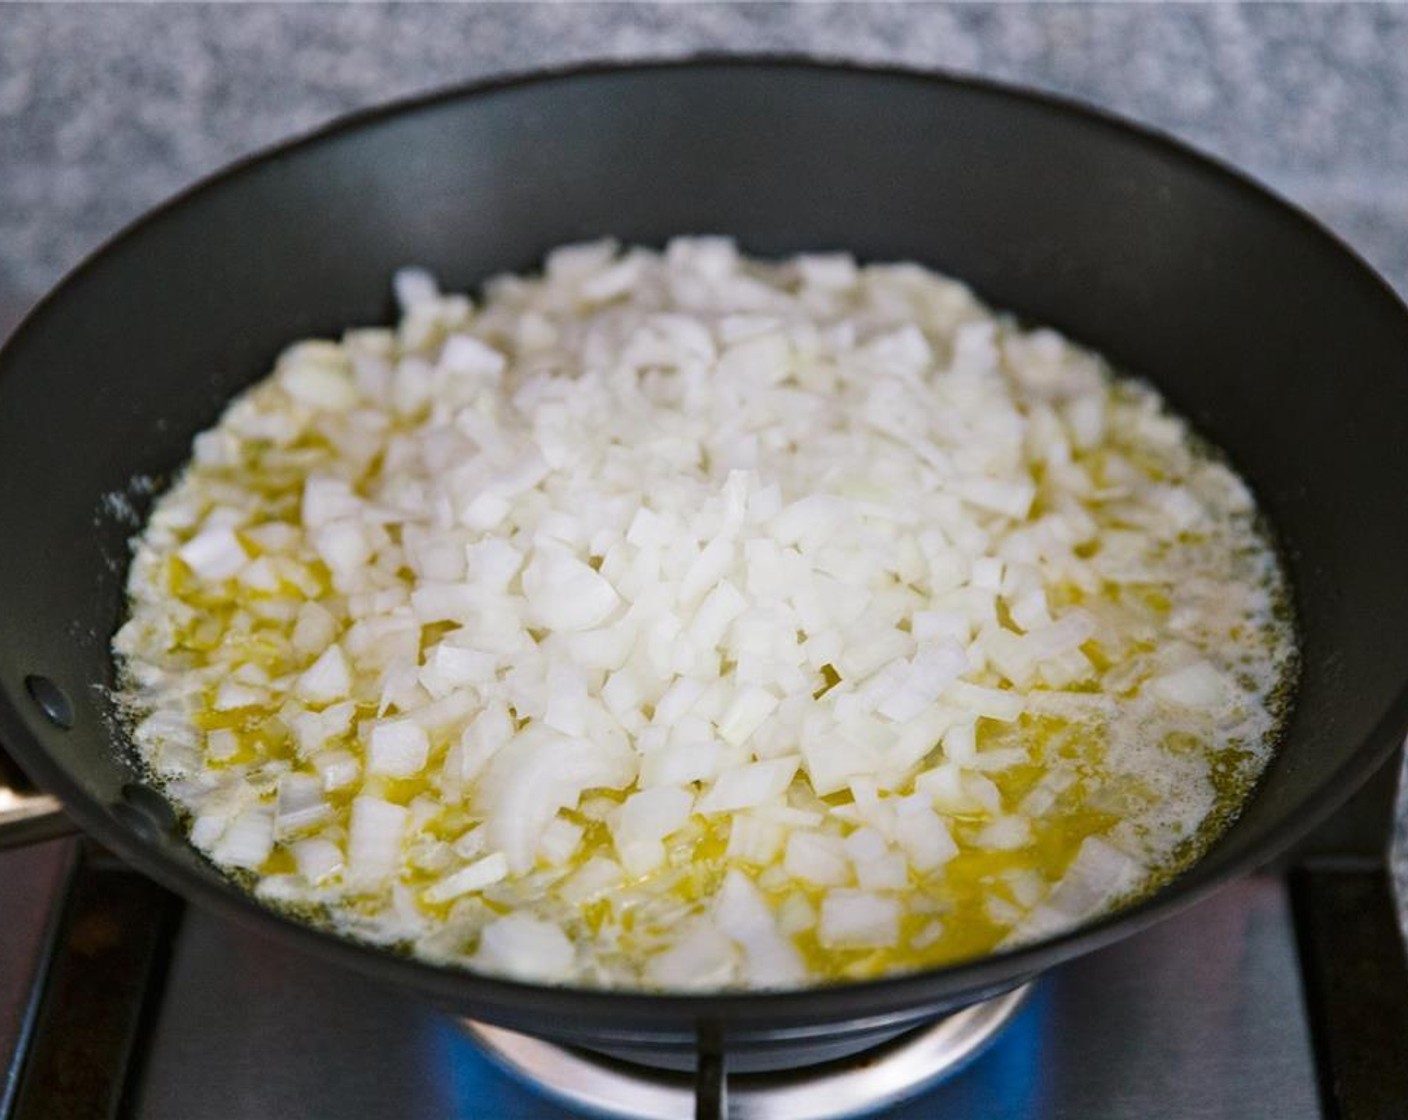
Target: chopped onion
x=248, y=841
x=475, y=877
x=534, y=775
x=565, y=594
x=746, y=786
x=854, y=919
x=374, y=839
x=770, y=959
x=214, y=553
x=328, y=679
x=1200, y=685
x=398, y=748
x=317, y=859
x=628, y=624
x=526, y=948
x=744, y=716
x=816, y=858
x=701, y=958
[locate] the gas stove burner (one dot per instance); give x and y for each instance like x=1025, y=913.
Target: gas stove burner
x=850, y=1086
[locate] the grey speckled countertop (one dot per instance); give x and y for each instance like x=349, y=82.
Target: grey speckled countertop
x=107, y=109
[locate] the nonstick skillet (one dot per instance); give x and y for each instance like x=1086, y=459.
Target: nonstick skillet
x=1283, y=348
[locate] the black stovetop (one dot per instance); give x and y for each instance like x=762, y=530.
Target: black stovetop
x=1283, y=996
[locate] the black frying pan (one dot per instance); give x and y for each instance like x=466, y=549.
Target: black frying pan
x=1284, y=348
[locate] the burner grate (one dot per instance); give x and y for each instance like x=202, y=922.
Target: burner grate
x=1262, y=1000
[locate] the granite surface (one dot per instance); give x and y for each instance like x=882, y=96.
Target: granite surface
x=107, y=109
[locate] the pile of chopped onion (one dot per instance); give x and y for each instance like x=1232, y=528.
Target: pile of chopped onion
x=682, y=621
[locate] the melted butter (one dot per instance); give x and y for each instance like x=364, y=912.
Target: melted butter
x=960, y=896
x=970, y=896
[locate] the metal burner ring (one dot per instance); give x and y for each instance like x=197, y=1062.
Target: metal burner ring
x=848, y=1087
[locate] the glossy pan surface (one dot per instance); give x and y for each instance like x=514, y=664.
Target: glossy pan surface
x=1282, y=347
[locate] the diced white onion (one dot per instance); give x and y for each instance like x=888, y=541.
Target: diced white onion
x=854, y=919
x=317, y=859
x=374, y=839
x=526, y=948
x=247, y=842
x=1200, y=685
x=702, y=958
x=747, y=786
x=671, y=591
x=817, y=858
x=474, y=877
x=328, y=679
x=398, y=748
x=770, y=959
x=214, y=553
x=565, y=594
x=752, y=705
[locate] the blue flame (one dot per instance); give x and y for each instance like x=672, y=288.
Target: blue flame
x=1002, y=1082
